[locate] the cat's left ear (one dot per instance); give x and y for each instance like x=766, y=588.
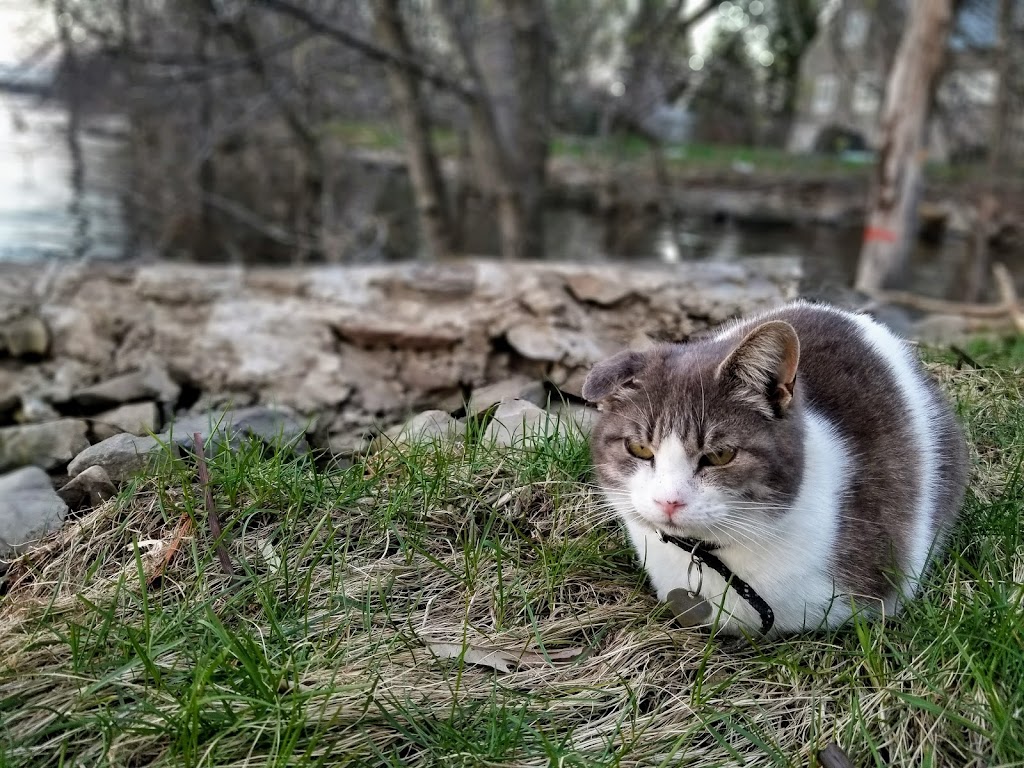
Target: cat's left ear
x=610, y=375
x=764, y=364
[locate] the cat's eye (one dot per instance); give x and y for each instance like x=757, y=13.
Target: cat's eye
x=640, y=450
x=718, y=458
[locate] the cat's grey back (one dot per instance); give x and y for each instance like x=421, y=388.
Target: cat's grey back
x=907, y=449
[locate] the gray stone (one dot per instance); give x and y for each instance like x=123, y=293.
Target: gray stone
x=48, y=445
x=91, y=487
x=540, y=341
x=76, y=336
x=569, y=380
x=280, y=427
x=366, y=330
x=597, y=288
x=518, y=422
x=29, y=509
x=537, y=341
x=134, y=418
x=153, y=383
x=515, y=388
x=377, y=341
x=10, y=389
x=347, y=444
x=424, y=427
x=121, y=456
x=25, y=336
x=942, y=329
x=33, y=410
x=222, y=401
x=183, y=284
x=573, y=417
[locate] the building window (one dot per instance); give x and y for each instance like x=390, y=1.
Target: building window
x=826, y=94
x=866, y=94
x=855, y=30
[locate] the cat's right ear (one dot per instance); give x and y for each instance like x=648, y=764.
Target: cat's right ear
x=764, y=365
x=612, y=374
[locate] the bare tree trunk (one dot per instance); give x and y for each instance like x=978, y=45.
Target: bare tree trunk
x=462, y=194
x=206, y=243
x=979, y=254
x=129, y=207
x=1004, y=71
x=308, y=212
x=424, y=171
x=891, y=212
x=532, y=44
x=80, y=244
x=511, y=156
x=493, y=162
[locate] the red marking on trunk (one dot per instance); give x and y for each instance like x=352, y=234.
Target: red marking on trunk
x=879, y=234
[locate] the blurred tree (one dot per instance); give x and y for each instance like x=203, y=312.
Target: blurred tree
x=729, y=101
x=792, y=26
x=892, y=211
x=505, y=52
x=424, y=169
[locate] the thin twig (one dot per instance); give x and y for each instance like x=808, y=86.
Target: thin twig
x=211, y=508
x=1008, y=307
x=963, y=357
x=184, y=529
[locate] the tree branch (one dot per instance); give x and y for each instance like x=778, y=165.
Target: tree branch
x=369, y=49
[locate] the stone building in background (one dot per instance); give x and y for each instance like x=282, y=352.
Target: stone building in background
x=844, y=72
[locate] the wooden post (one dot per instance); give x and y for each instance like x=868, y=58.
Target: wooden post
x=892, y=214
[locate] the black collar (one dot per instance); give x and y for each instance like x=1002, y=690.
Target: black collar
x=703, y=552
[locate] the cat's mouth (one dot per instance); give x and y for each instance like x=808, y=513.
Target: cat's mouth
x=686, y=528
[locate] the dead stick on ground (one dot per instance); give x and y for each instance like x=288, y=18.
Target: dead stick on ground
x=1007, y=308
x=182, y=530
x=211, y=508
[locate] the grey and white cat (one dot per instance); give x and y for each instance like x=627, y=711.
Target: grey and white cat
x=807, y=447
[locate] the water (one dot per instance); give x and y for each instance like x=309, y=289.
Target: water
x=54, y=208
x=47, y=210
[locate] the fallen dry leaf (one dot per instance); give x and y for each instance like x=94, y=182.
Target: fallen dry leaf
x=500, y=659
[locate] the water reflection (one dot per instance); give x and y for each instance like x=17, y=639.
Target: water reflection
x=59, y=197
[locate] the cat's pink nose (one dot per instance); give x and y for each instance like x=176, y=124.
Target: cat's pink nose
x=670, y=507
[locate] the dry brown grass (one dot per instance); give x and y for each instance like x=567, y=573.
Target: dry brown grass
x=321, y=652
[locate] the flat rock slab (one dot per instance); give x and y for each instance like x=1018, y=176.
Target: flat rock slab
x=569, y=416
x=25, y=336
x=134, y=418
x=515, y=388
x=280, y=427
x=121, y=456
x=424, y=427
x=518, y=422
x=90, y=488
x=29, y=509
x=153, y=383
x=48, y=445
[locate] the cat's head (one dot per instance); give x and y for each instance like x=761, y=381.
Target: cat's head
x=701, y=439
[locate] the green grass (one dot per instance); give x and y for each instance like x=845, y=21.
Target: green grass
x=319, y=653
x=689, y=158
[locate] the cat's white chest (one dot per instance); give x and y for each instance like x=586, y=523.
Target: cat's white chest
x=787, y=561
